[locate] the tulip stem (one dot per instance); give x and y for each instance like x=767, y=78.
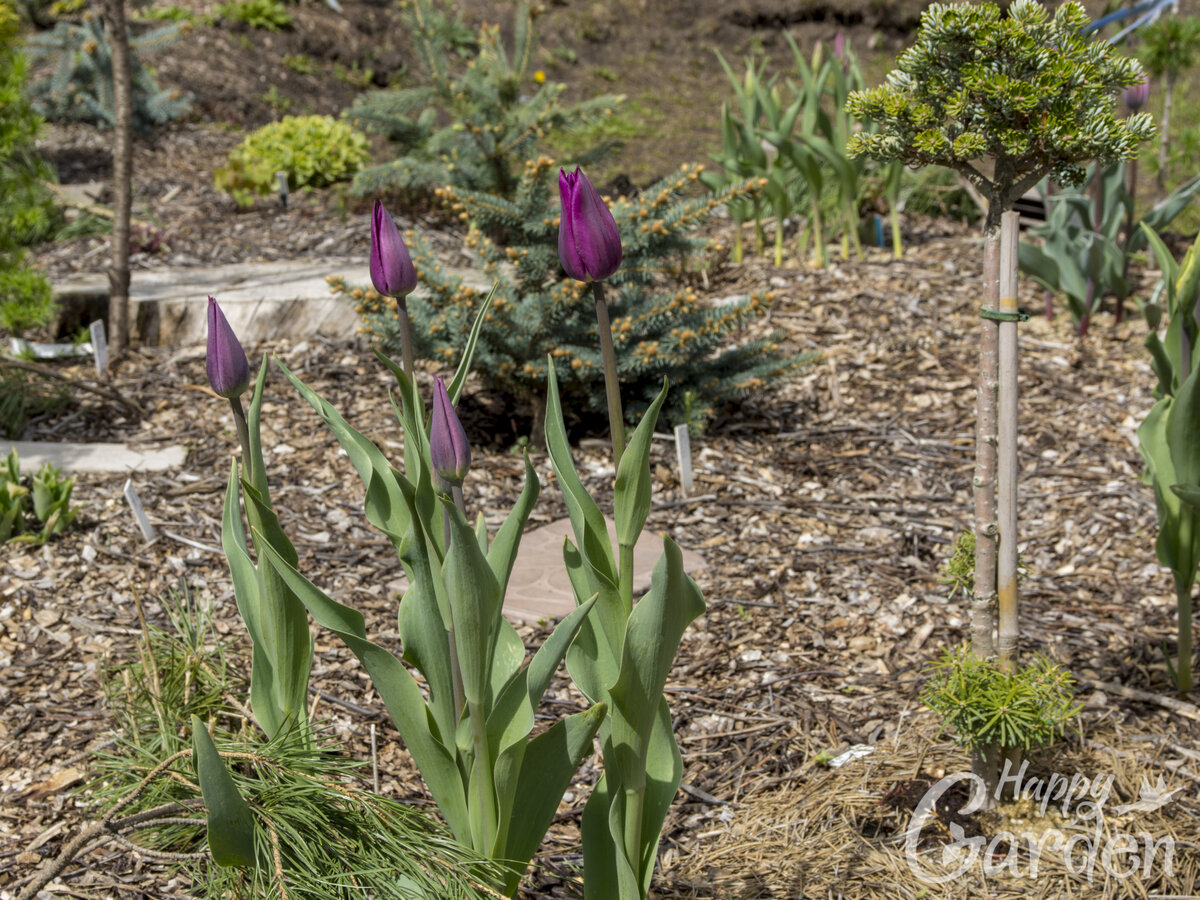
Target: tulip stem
x=456, y=682
x=406, y=346
x=243, y=430
x=612, y=387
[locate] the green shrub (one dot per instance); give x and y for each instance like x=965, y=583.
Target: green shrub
x=538, y=312
x=26, y=207
x=986, y=706
x=472, y=125
x=315, y=151
x=270, y=15
x=80, y=87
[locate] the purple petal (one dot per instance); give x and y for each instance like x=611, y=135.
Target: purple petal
x=225, y=361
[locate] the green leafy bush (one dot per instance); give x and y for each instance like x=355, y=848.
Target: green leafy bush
x=538, y=312
x=269, y=15
x=80, y=87
x=474, y=125
x=315, y=151
x=26, y=207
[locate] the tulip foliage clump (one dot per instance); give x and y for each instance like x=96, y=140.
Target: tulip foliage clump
x=537, y=311
x=1168, y=436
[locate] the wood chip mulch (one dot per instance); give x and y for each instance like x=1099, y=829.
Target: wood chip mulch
x=825, y=508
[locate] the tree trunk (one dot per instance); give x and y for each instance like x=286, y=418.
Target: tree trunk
x=118, y=275
x=1006, y=487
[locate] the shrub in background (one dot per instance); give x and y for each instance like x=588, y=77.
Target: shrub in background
x=315, y=151
x=536, y=311
x=474, y=124
x=269, y=15
x=26, y=207
x=80, y=88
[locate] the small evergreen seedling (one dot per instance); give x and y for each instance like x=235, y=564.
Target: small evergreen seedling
x=474, y=124
x=986, y=706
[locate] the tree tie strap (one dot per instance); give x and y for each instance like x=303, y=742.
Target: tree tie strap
x=1021, y=315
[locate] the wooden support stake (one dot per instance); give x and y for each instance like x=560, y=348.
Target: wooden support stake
x=1006, y=451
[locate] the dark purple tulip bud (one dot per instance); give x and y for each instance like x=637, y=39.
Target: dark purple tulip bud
x=392, y=270
x=589, y=246
x=449, y=450
x=1137, y=95
x=226, y=364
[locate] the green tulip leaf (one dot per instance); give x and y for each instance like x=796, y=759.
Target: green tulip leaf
x=587, y=521
x=633, y=487
x=230, y=822
x=550, y=761
x=398, y=690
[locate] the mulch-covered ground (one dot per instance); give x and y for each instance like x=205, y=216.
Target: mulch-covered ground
x=825, y=508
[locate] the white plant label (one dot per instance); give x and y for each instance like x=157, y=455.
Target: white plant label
x=99, y=345
x=683, y=452
x=135, y=504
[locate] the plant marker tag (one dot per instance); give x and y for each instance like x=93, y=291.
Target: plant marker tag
x=135, y=503
x=99, y=345
x=683, y=451
x=281, y=179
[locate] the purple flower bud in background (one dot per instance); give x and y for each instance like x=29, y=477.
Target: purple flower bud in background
x=392, y=270
x=1137, y=95
x=589, y=246
x=839, y=46
x=449, y=450
x=226, y=364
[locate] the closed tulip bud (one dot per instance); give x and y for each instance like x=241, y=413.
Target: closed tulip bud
x=589, y=246
x=392, y=270
x=1137, y=95
x=449, y=450
x=226, y=364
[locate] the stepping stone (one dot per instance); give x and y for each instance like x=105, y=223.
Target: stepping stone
x=94, y=457
x=262, y=301
x=539, y=587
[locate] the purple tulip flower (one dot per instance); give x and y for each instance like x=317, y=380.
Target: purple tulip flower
x=1137, y=95
x=392, y=270
x=449, y=450
x=226, y=364
x=589, y=246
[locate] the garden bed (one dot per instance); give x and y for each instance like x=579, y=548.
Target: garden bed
x=825, y=509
